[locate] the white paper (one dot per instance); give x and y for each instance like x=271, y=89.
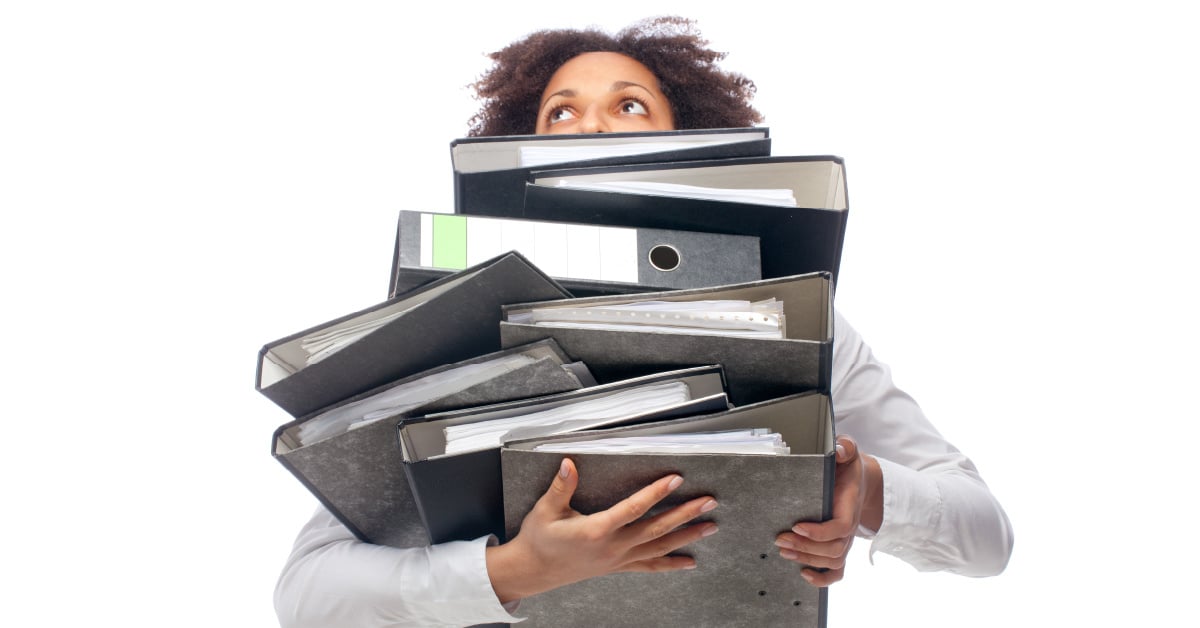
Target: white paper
x=529, y=156
x=779, y=197
x=760, y=319
x=759, y=441
x=324, y=344
x=399, y=399
x=613, y=406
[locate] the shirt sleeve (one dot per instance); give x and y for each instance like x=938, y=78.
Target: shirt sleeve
x=937, y=512
x=333, y=579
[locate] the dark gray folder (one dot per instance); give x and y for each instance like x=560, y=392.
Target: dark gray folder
x=794, y=240
x=653, y=259
x=358, y=475
x=740, y=579
x=490, y=181
x=756, y=369
x=459, y=495
x=445, y=321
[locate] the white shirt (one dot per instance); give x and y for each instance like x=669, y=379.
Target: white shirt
x=937, y=515
x=937, y=512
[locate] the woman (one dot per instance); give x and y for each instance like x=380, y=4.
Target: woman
x=898, y=481
x=679, y=65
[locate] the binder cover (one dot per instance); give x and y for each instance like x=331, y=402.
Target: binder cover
x=460, y=496
x=451, y=319
x=757, y=369
x=657, y=258
x=358, y=474
x=489, y=180
x=740, y=579
x=405, y=279
x=794, y=240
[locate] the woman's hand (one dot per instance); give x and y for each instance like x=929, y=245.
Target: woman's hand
x=857, y=498
x=557, y=545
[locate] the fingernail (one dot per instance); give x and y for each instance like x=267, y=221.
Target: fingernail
x=789, y=554
x=564, y=469
x=782, y=543
x=691, y=566
x=807, y=576
x=675, y=482
x=841, y=451
x=708, y=505
x=801, y=531
x=709, y=531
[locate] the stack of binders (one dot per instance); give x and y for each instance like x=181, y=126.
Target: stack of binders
x=695, y=206
x=546, y=315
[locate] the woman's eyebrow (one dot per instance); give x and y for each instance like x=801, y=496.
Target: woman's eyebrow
x=565, y=93
x=620, y=85
x=615, y=87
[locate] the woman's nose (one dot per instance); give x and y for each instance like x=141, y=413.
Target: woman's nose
x=594, y=121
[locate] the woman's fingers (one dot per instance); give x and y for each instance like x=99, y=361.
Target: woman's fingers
x=557, y=498
x=847, y=449
x=822, y=578
x=633, y=507
x=827, y=555
x=813, y=560
x=829, y=549
x=663, y=545
x=661, y=564
x=664, y=522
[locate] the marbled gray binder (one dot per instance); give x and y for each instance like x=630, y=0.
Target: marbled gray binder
x=756, y=369
x=740, y=579
x=451, y=319
x=359, y=474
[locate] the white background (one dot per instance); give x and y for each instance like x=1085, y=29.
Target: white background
x=182, y=182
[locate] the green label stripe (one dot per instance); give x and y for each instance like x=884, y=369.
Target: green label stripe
x=450, y=241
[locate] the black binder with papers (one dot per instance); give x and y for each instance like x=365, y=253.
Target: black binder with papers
x=451, y=319
x=803, y=238
x=458, y=492
x=489, y=172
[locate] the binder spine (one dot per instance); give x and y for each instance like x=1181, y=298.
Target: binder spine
x=460, y=497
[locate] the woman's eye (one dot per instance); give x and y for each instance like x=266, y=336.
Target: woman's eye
x=633, y=107
x=558, y=115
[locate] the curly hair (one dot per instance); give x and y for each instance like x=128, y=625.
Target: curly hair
x=702, y=96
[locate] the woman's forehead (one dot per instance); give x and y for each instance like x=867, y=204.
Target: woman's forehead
x=602, y=68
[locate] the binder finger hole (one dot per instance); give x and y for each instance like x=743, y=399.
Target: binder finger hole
x=664, y=257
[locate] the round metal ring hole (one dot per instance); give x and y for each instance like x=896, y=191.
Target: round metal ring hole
x=664, y=257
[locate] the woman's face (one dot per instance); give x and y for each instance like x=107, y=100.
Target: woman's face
x=603, y=92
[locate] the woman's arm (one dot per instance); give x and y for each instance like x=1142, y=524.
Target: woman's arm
x=899, y=482
x=333, y=579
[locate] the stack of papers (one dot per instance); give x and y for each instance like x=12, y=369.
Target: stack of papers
x=406, y=396
x=779, y=197
x=759, y=441
x=572, y=416
x=532, y=156
x=326, y=343
x=731, y=318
